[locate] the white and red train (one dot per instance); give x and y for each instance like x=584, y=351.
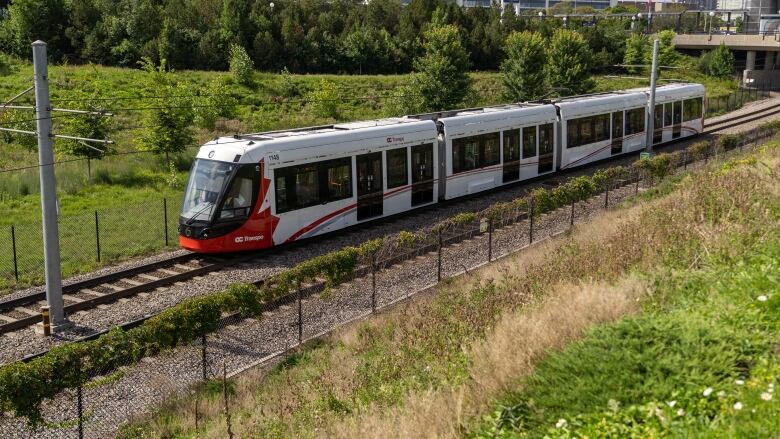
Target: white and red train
x=255, y=191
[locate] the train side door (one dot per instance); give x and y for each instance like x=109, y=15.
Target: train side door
x=546, y=148
x=422, y=174
x=617, y=132
x=511, y=155
x=677, y=119
x=658, y=121
x=369, y=185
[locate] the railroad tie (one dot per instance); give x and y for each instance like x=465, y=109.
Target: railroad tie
x=183, y=267
x=91, y=292
x=170, y=272
x=7, y=319
x=149, y=277
x=72, y=298
x=27, y=311
x=134, y=283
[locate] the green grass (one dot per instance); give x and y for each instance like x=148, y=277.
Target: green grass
x=710, y=327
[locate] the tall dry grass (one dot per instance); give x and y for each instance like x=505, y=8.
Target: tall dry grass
x=508, y=353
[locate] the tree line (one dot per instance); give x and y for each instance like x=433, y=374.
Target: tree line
x=304, y=36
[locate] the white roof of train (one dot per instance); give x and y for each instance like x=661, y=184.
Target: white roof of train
x=582, y=106
x=497, y=118
x=676, y=92
x=333, y=141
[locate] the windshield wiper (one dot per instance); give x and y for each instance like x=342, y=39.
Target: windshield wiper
x=192, y=218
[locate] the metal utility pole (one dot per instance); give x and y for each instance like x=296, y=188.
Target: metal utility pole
x=651, y=112
x=51, y=241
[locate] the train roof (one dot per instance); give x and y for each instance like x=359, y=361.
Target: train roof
x=337, y=140
x=498, y=117
x=581, y=106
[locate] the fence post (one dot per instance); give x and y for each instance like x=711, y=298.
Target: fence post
x=203, y=362
x=300, y=315
x=755, y=138
x=438, y=268
x=531, y=221
x=80, y=409
x=225, y=395
x=490, y=239
x=13, y=244
x=571, y=219
x=373, y=284
x=165, y=219
x=197, y=414
x=97, y=235
x=606, y=197
x=685, y=159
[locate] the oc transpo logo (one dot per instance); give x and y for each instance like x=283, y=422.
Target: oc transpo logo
x=242, y=239
x=395, y=139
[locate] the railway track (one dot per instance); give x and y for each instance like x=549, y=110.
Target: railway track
x=22, y=312
x=743, y=118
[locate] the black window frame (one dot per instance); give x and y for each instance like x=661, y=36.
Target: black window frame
x=481, y=160
x=289, y=173
x=394, y=181
x=634, y=121
x=587, y=130
x=535, y=131
x=691, y=106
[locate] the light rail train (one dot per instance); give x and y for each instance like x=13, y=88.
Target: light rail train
x=254, y=191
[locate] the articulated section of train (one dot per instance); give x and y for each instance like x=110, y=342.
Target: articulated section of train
x=255, y=191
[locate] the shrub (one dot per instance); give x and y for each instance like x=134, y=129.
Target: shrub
x=568, y=62
x=721, y=62
x=325, y=100
x=699, y=149
x=543, y=201
x=216, y=102
x=728, y=141
x=657, y=166
x=241, y=65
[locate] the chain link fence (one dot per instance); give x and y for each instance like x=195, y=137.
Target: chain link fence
x=715, y=105
x=108, y=402
x=88, y=240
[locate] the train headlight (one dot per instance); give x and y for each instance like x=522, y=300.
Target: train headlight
x=188, y=232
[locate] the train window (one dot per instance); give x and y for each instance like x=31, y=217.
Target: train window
x=475, y=152
x=464, y=154
x=529, y=142
x=586, y=130
x=490, y=149
x=546, y=139
x=313, y=183
x=239, y=198
x=396, y=168
x=306, y=186
x=635, y=121
x=511, y=145
x=692, y=109
x=339, y=179
x=667, y=114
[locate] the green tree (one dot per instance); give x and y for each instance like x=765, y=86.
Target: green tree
x=241, y=65
x=721, y=62
x=324, y=100
x=215, y=102
x=166, y=128
x=667, y=55
x=568, y=62
x=442, y=79
x=19, y=120
x=91, y=126
x=636, y=47
x=523, y=68
x=30, y=20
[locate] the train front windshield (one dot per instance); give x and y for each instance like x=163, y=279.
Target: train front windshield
x=206, y=182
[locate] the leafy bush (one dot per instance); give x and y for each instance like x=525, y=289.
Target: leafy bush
x=568, y=62
x=728, y=141
x=721, y=62
x=289, y=88
x=241, y=65
x=657, y=166
x=636, y=48
x=325, y=100
x=214, y=103
x=700, y=149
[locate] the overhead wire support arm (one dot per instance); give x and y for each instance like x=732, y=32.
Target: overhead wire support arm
x=17, y=97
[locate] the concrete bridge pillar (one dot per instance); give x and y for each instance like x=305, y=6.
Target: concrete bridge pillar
x=750, y=60
x=769, y=61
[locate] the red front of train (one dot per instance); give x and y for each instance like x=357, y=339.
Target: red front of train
x=226, y=208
